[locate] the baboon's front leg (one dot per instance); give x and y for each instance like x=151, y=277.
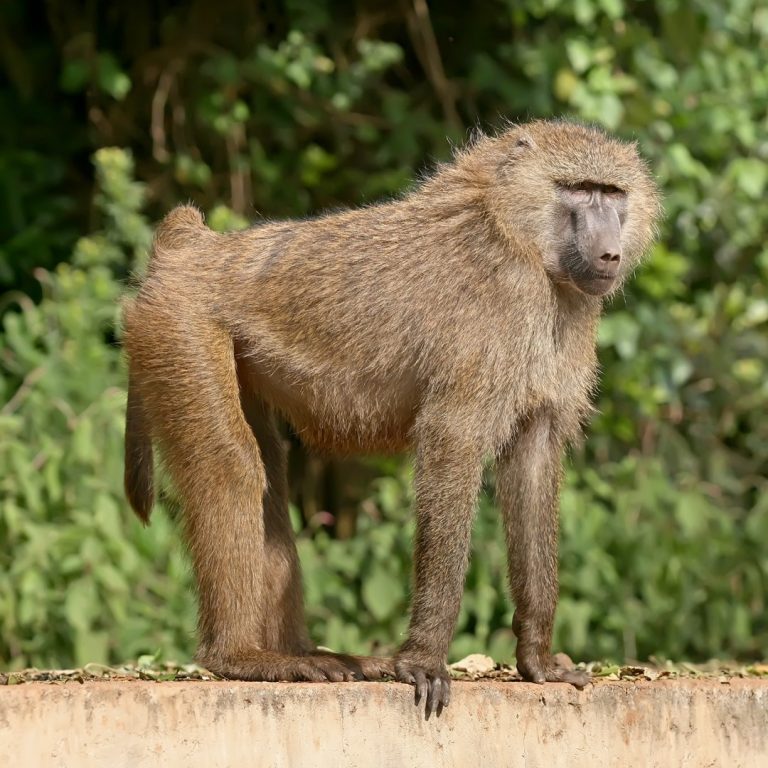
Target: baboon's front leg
x=528, y=484
x=448, y=477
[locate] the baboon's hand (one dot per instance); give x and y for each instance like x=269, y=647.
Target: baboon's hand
x=431, y=680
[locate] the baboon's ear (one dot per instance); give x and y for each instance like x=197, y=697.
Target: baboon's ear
x=521, y=145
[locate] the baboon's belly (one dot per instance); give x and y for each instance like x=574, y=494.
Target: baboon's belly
x=337, y=411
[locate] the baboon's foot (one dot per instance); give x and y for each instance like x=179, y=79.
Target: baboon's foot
x=545, y=668
x=270, y=666
x=366, y=667
x=430, y=678
x=375, y=668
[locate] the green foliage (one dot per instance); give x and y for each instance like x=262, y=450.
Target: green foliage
x=665, y=510
x=83, y=580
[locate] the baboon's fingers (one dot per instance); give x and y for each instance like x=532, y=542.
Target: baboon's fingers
x=349, y=665
x=534, y=670
x=310, y=672
x=375, y=668
x=576, y=677
x=338, y=668
x=439, y=695
x=422, y=686
x=432, y=684
x=363, y=667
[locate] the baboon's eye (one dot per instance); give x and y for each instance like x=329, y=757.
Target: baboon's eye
x=582, y=192
x=575, y=193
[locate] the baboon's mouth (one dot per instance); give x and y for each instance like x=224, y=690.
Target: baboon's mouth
x=595, y=284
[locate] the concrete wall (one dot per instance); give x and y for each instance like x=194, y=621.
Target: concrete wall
x=676, y=723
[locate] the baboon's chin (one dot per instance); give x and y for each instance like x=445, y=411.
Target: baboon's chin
x=595, y=286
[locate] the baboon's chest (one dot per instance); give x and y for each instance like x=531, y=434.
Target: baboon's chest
x=558, y=372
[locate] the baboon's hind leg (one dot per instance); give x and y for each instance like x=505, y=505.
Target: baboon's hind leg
x=284, y=626
x=191, y=393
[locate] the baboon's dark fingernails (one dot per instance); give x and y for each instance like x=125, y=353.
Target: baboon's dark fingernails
x=434, y=696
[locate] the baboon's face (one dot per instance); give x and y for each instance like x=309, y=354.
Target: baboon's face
x=585, y=201
x=588, y=220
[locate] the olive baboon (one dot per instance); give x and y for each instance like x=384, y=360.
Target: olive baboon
x=460, y=320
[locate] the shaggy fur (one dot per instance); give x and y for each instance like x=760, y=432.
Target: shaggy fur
x=444, y=320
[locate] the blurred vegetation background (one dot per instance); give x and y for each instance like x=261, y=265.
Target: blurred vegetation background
x=113, y=112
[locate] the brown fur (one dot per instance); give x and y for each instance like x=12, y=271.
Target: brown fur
x=440, y=320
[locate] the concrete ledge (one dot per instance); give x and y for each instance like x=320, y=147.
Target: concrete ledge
x=672, y=723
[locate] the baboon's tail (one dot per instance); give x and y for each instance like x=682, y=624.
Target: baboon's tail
x=181, y=225
x=139, y=464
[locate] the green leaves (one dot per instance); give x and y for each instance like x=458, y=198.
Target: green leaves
x=111, y=78
x=83, y=581
x=751, y=175
x=664, y=512
x=621, y=331
x=100, y=70
x=382, y=591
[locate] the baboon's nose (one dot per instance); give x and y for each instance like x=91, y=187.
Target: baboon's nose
x=606, y=256
x=602, y=228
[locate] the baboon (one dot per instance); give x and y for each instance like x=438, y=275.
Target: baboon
x=459, y=320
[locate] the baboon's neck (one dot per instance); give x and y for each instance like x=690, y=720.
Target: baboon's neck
x=577, y=317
